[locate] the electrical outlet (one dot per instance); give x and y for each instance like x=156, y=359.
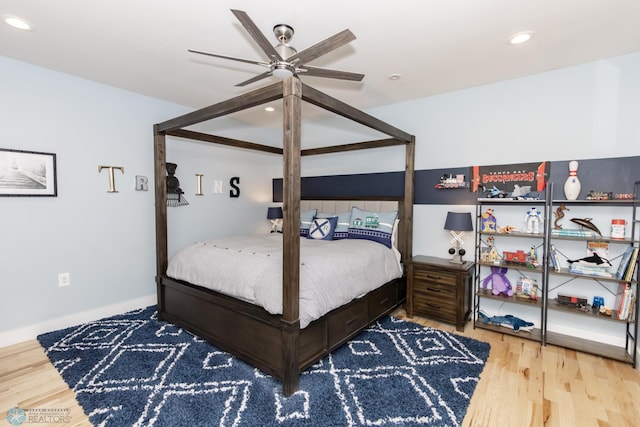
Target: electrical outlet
x=64, y=279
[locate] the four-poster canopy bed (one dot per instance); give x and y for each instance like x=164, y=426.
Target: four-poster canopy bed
x=275, y=343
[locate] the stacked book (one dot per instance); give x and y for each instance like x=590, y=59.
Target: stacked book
x=625, y=302
x=589, y=270
x=574, y=233
x=555, y=260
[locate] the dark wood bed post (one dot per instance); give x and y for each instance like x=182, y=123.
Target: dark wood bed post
x=292, y=119
x=410, y=149
x=162, y=257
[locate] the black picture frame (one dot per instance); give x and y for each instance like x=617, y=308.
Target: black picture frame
x=27, y=173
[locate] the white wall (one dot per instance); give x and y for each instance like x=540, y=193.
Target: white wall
x=105, y=240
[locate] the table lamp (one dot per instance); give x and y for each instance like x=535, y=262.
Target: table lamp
x=457, y=223
x=275, y=215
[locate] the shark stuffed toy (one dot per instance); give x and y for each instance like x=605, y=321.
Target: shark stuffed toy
x=507, y=321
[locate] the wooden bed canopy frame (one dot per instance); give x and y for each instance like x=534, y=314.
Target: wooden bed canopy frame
x=275, y=343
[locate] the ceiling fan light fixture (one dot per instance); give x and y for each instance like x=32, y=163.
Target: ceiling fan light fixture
x=521, y=37
x=282, y=71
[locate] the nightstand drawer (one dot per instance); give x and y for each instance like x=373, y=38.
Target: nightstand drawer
x=443, y=309
x=435, y=289
x=443, y=278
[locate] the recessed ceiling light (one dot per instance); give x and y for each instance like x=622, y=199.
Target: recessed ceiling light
x=19, y=23
x=269, y=109
x=394, y=76
x=521, y=37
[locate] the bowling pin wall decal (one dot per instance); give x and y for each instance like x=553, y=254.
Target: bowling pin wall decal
x=572, y=184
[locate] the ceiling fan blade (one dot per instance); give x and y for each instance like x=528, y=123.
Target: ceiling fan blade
x=321, y=48
x=256, y=34
x=248, y=61
x=332, y=74
x=255, y=79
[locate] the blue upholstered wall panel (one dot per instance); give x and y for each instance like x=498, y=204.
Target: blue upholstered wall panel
x=612, y=174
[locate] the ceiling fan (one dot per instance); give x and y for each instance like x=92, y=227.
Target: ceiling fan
x=284, y=60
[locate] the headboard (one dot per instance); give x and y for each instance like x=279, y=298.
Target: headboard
x=338, y=206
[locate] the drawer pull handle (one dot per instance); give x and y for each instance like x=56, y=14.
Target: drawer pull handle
x=433, y=305
x=349, y=322
x=434, y=277
x=384, y=301
x=434, y=290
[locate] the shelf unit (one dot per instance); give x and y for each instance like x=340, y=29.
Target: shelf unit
x=551, y=280
x=558, y=278
x=483, y=267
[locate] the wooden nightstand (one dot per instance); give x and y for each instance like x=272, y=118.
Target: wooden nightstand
x=439, y=289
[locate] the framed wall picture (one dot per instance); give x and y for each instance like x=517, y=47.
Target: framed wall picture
x=27, y=173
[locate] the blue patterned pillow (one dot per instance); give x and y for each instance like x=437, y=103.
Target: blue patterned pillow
x=322, y=228
x=306, y=218
x=370, y=225
x=342, y=228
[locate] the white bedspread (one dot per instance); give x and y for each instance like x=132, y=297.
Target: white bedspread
x=332, y=273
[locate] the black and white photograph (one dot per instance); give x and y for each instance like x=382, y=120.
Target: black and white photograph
x=27, y=173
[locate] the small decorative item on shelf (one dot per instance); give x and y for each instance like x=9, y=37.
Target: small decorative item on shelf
x=500, y=284
x=618, y=230
x=597, y=302
x=559, y=214
x=508, y=321
x=624, y=196
x=599, y=248
x=533, y=219
x=507, y=229
x=533, y=257
x=515, y=257
x=572, y=300
x=593, y=265
x=494, y=192
x=488, y=221
x=527, y=288
x=586, y=223
x=599, y=195
x=572, y=185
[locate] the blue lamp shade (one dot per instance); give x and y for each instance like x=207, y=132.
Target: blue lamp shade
x=274, y=213
x=458, y=221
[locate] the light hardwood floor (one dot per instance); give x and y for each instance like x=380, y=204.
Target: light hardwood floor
x=523, y=384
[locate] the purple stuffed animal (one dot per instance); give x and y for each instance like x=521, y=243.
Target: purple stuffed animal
x=499, y=282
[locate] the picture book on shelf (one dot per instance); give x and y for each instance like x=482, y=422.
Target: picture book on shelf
x=624, y=263
x=553, y=257
x=624, y=299
x=633, y=260
x=599, y=248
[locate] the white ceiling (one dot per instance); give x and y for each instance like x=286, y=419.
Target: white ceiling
x=436, y=45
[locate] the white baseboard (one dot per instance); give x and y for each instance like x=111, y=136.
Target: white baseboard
x=31, y=332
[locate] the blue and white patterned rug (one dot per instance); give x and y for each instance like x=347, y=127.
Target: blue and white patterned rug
x=133, y=370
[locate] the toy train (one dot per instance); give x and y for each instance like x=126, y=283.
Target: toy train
x=572, y=300
x=517, y=257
